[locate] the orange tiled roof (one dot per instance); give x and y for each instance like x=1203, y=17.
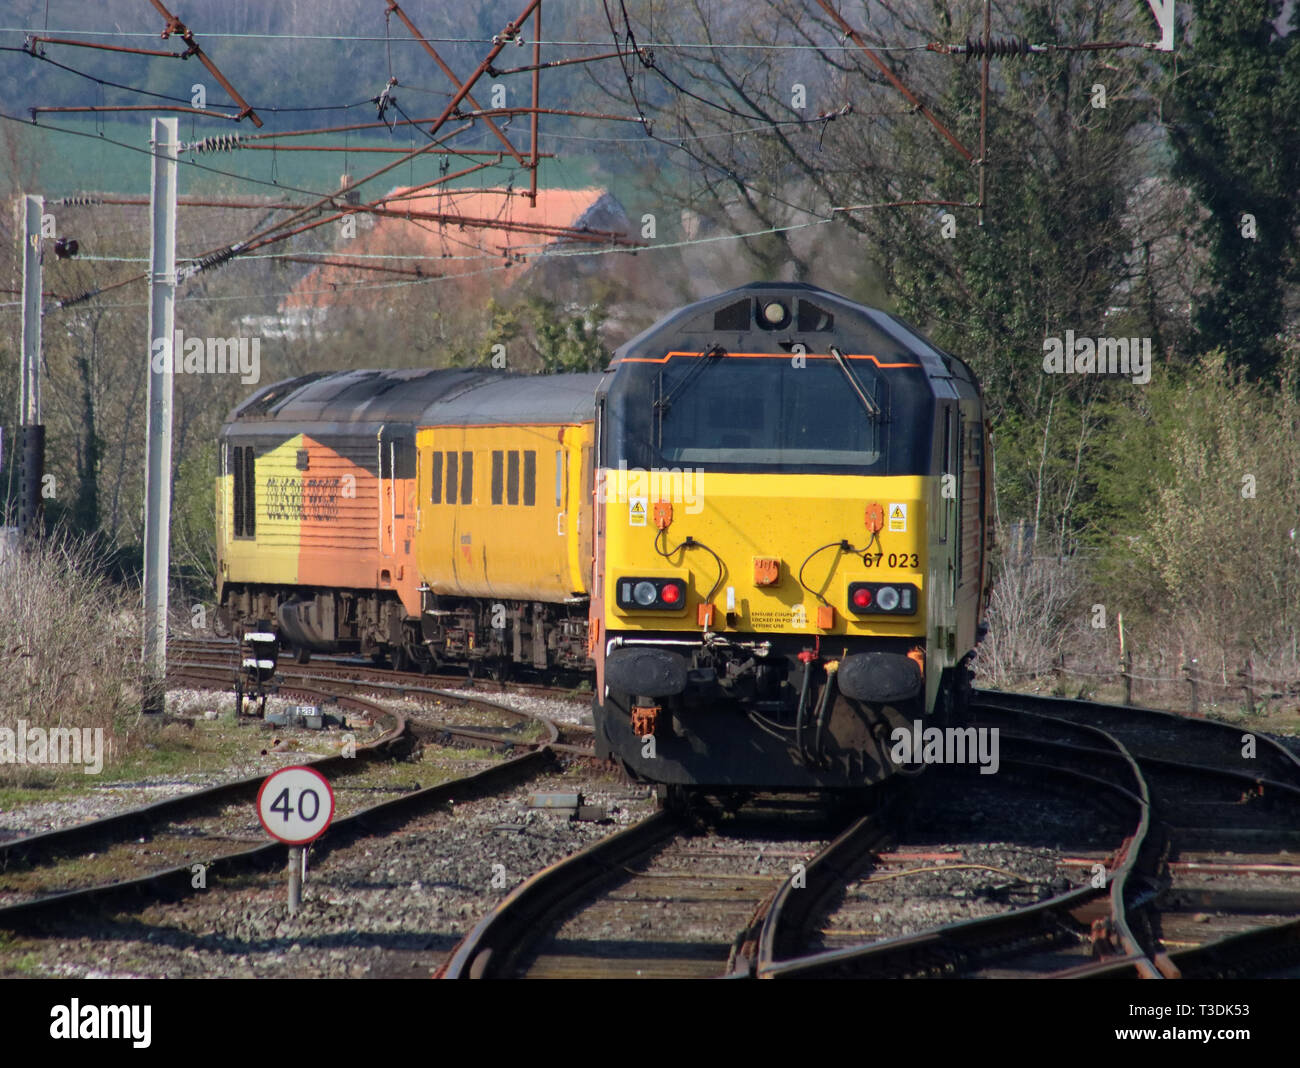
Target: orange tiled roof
x=442, y=247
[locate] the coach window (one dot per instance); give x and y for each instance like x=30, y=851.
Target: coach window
x=466, y=477
x=237, y=470
x=397, y=461
x=250, y=492
x=559, y=476
x=512, y=477
x=453, y=476
x=530, y=478
x=498, y=481
x=435, y=479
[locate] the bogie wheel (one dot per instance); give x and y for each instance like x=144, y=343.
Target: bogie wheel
x=674, y=797
x=302, y=656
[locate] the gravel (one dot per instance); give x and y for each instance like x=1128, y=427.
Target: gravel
x=382, y=906
x=976, y=849
x=95, y=798
x=573, y=710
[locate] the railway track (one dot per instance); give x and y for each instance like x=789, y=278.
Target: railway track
x=1177, y=789
x=214, y=664
x=48, y=875
x=1199, y=882
x=224, y=652
x=673, y=896
x=661, y=875
x=1224, y=892
x=1062, y=935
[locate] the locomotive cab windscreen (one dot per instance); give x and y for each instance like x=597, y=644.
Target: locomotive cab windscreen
x=767, y=413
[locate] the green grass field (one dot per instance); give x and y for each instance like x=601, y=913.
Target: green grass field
x=110, y=156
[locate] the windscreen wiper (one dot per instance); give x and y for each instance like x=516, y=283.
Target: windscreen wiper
x=704, y=358
x=873, y=409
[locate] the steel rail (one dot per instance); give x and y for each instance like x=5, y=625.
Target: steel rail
x=1069, y=708
x=68, y=841
x=211, y=673
x=1249, y=785
x=178, y=882
x=789, y=910
x=498, y=940
x=952, y=948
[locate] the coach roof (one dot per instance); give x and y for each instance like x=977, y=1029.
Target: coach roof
x=422, y=397
x=520, y=399
x=361, y=396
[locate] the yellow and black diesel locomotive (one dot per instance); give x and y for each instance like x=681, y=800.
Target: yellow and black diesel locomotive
x=764, y=526
x=791, y=536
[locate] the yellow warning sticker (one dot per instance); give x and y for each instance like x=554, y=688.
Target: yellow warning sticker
x=636, y=511
x=898, y=517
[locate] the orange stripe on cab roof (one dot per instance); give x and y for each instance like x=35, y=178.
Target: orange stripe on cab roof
x=768, y=356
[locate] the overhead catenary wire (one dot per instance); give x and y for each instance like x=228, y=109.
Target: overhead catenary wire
x=363, y=38
x=647, y=124
x=246, y=298
x=262, y=237
x=105, y=82
x=547, y=252
x=222, y=143
x=280, y=186
x=281, y=230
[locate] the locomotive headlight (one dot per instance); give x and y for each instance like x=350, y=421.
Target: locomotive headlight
x=636, y=593
x=879, y=598
x=774, y=313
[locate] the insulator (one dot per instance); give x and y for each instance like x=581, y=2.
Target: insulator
x=998, y=47
x=80, y=298
x=216, y=259
x=78, y=201
x=220, y=143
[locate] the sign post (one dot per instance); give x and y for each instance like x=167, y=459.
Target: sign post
x=295, y=806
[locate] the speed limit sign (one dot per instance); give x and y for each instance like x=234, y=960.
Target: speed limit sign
x=295, y=805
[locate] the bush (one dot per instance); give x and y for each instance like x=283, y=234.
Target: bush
x=1221, y=531
x=67, y=641
x=1034, y=595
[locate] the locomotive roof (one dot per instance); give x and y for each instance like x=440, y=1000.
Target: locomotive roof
x=421, y=396
x=732, y=320
x=361, y=396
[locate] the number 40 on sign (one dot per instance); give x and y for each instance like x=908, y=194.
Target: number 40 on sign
x=295, y=805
